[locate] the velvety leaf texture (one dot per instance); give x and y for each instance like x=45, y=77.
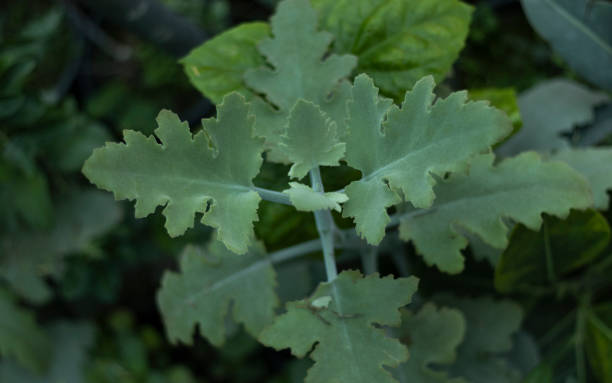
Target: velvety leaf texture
x=339, y=318
x=310, y=140
x=186, y=173
x=296, y=53
x=594, y=165
x=216, y=67
x=519, y=188
x=20, y=336
x=397, y=41
x=398, y=161
x=432, y=336
x=306, y=199
x=211, y=281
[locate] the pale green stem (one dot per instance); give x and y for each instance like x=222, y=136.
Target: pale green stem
x=579, y=336
x=550, y=265
x=273, y=196
x=325, y=227
x=369, y=260
x=295, y=251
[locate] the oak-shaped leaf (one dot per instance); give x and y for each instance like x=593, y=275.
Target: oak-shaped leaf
x=304, y=198
x=310, y=140
x=300, y=70
x=341, y=321
x=519, y=188
x=594, y=165
x=397, y=41
x=399, y=151
x=212, y=280
x=210, y=172
x=432, y=336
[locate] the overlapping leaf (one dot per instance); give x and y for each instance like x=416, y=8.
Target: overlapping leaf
x=20, y=336
x=310, y=140
x=397, y=41
x=594, y=165
x=186, y=173
x=299, y=71
x=306, y=199
x=432, y=336
x=210, y=281
x=339, y=318
x=519, y=188
x=599, y=341
x=415, y=143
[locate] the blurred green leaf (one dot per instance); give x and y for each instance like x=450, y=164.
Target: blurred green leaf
x=599, y=341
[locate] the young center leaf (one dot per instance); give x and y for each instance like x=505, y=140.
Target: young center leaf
x=432, y=336
x=306, y=199
x=210, y=172
x=399, y=159
x=296, y=52
x=519, y=188
x=340, y=318
x=310, y=140
x=211, y=281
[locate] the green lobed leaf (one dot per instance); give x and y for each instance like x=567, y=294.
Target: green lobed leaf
x=560, y=247
x=594, y=165
x=397, y=41
x=211, y=281
x=580, y=31
x=216, y=67
x=300, y=70
x=432, y=336
x=186, y=173
x=27, y=257
x=67, y=360
x=490, y=327
x=339, y=318
x=310, y=140
x=306, y=199
x=549, y=109
x=598, y=341
x=417, y=142
x=519, y=188
x=20, y=336
x=504, y=99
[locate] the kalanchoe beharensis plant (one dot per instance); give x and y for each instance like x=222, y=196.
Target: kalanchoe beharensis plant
x=428, y=159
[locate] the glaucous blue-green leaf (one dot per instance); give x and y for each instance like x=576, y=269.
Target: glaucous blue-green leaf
x=594, y=165
x=432, y=336
x=598, y=341
x=306, y=199
x=504, y=99
x=67, y=358
x=397, y=41
x=301, y=69
x=491, y=324
x=20, y=336
x=310, y=140
x=211, y=281
x=26, y=257
x=539, y=258
x=549, y=109
x=580, y=31
x=399, y=151
x=210, y=172
x=216, y=67
x=340, y=318
x=478, y=202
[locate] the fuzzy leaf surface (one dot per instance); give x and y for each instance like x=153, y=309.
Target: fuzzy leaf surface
x=594, y=165
x=296, y=53
x=216, y=67
x=348, y=347
x=415, y=143
x=185, y=173
x=397, y=41
x=20, y=336
x=490, y=326
x=306, y=199
x=432, y=336
x=210, y=280
x=519, y=188
x=310, y=140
